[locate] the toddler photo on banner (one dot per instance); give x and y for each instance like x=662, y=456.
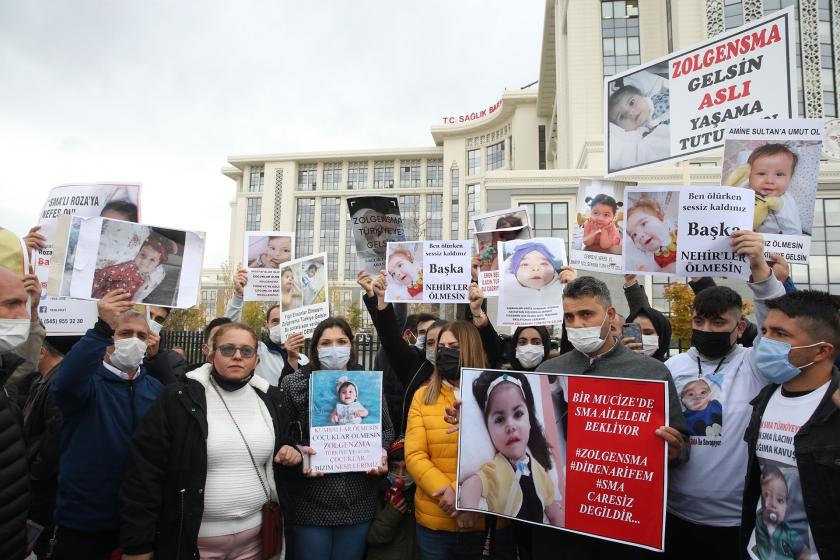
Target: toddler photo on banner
x=530, y=292
x=597, y=238
x=304, y=295
x=779, y=160
x=598, y=468
x=264, y=252
x=490, y=228
x=345, y=415
x=375, y=221
x=428, y=271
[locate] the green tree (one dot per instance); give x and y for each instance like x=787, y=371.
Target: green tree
x=353, y=315
x=253, y=315
x=191, y=319
x=681, y=300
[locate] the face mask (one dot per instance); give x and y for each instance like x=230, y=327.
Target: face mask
x=587, y=339
x=773, y=362
x=448, y=363
x=274, y=334
x=406, y=478
x=712, y=345
x=530, y=355
x=154, y=326
x=650, y=344
x=430, y=356
x=13, y=333
x=420, y=343
x=334, y=357
x=229, y=385
x=128, y=353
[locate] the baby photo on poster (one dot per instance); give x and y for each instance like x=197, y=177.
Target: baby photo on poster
x=530, y=292
x=597, y=239
x=650, y=234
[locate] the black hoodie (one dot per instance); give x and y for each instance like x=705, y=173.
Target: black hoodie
x=662, y=326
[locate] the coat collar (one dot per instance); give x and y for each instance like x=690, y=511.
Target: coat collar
x=202, y=375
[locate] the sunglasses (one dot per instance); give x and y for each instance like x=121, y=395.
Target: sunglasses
x=229, y=350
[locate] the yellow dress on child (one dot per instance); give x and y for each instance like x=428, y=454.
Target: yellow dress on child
x=501, y=485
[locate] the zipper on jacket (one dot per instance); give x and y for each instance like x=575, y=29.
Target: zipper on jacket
x=403, y=418
x=181, y=522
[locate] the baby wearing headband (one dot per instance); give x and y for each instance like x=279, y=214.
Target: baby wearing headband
x=348, y=410
x=516, y=482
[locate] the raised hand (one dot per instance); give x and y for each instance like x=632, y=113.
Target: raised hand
x=114, y=304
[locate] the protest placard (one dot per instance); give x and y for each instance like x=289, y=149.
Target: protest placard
x=375, y=221
x=264, y=252
x=345, y=420
x=597, y=239
x=155, y=265
x=304, y=295
x=490, y=228
x=530, y=292
x=110, y=200
x=14, y=255
x=678, y=105
x=599, y=470
x=428, y=271
x=685, y=231
x=780, y=161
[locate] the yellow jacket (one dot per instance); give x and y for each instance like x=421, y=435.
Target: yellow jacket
x=431, y=457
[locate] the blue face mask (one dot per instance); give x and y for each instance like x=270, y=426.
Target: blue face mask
x=773, y=361
x=430, y=356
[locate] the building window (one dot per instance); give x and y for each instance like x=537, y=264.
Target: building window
x=413, y=226
x=496, y=156
x=434, y=216
x=549, y=219
x=305, y=227
x=542, y=147
x=771, y=6
x=332, y=176
x=733, y=13
x=350, y=267
x=473, y=199
x=357, y=176
x=257, y=178
x=473, y=162
x=253, y=214
x=307, y=177
x=383, y=175
x=825, y=250
x=208, y=302
x=434, y=173
x=410, y=173
x=455, y=186
x=620, y=35
x=329, y=233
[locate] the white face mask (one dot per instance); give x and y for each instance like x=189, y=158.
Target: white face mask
x=530, y=355
x=650, y=344
x=334, y=357
x=128, y=353
x=13, y=333
x=274, y=334
x=587, y=339
x=420, y=343
x=154, y=326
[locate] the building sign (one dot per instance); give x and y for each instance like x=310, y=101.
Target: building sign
x=474, y=116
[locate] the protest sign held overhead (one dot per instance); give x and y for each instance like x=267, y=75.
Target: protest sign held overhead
x=428, y=271
x=490, y=228
x=599, y=470
x=264, y=252
x=597, y=239
x=120, y=201
x=375, y=221
x=780, y=161
x=304, y=295
x=530, y=292
x=679, y=105
x=345, y=416
x=14, y=255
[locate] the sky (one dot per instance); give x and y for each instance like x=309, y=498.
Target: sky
x=162, y=92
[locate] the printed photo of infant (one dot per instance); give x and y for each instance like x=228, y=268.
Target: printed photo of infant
x=774, y=537
x=376, y=221
x=700, y=401
x=269, y=251
x=348, y=409
x=405, y=272
x=599, y=229
x=487, y=241
x=302, y=283
x=532, y=270
x=651, y=232
x=345, y=398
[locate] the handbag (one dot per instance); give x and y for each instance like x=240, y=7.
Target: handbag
x=272, y=517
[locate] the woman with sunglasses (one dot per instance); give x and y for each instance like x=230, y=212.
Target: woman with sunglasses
x=332, y=512
x=205, y=460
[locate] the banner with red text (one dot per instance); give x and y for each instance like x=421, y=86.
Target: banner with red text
x=678, y=105
x=599, y=469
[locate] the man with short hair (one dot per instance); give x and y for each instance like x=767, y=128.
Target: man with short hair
x=791, y=502
x=167, y=366
x=102, y=390
x=715, y=380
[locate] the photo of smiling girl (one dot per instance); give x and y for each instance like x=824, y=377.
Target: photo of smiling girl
x=405, y=272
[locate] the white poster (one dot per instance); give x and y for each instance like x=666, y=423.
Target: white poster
x=530, y=292
x=780, y=161
x=304, y=295
x=685, y=231
x=375, y=221
x=155, y=265
x=120, y=201
x=490, y=228
x=428, y=271
x=597, y=239
x=678, y=105
x=264, y=252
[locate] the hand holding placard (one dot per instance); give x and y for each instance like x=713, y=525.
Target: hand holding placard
x=751, y=245
x=113, y=305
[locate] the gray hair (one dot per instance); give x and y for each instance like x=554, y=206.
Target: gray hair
x=131, y=314
x=588, y=286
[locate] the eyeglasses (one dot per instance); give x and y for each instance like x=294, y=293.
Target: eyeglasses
x=229, y=350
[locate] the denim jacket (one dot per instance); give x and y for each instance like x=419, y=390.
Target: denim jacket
x=817, y=448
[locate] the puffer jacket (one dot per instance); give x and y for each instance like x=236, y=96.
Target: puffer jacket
x=431, y=456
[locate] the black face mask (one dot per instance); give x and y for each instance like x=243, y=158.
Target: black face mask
x=448, y=363
x=712, y=345
x=229, y=384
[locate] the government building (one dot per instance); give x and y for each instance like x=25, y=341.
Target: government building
x=531, y=146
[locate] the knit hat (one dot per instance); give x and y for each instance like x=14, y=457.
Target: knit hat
x=526, y=248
